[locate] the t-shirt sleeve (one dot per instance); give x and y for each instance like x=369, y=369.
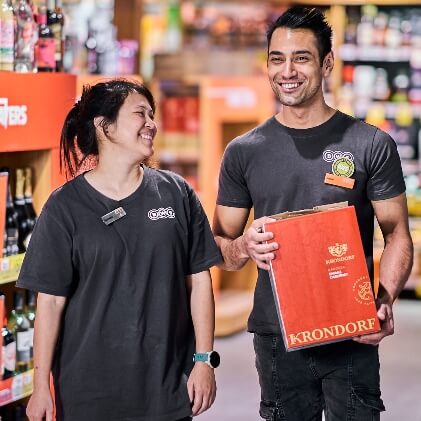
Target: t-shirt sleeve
x=386, y=178
x=203, y=251
x=47, y=266
x=233, y=190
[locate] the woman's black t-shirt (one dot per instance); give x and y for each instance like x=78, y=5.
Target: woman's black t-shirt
x=126, y=341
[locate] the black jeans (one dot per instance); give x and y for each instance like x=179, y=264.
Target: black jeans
x=342, y=379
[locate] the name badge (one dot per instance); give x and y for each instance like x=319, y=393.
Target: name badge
x=336, y=180
x=113, y=216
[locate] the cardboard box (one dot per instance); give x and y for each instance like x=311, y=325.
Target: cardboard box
x=319, y=277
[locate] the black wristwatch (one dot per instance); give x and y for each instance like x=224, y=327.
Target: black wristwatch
x=211, y=358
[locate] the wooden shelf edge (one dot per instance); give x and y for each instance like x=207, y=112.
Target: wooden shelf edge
x=232, y=311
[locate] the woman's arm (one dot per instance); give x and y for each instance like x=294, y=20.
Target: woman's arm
x=47, y=326
x=201, y=384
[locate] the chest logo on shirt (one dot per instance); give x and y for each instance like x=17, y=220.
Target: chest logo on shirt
x=331, y=156
x=161, y=213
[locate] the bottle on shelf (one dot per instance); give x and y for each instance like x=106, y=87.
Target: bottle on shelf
x=8, y=352
x=25, y=38
x=7, y=34
x=45, y=48
x=19, y=325
x=30, y=312
x=21, y=209
x=60, y=20
x=28, y=199
x=12, y=227
x=56, y=27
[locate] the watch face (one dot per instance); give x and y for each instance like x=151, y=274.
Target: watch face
x=214, y=359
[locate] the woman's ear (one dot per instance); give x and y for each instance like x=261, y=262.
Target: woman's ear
x=100, y=124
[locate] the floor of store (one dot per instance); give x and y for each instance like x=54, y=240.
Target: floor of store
x=238, y=389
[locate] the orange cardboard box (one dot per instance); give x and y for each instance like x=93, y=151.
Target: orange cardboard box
x=319, y=277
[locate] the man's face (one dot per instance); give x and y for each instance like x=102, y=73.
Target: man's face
x=294, y=68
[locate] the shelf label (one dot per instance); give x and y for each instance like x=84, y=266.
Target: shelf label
x=10, y=267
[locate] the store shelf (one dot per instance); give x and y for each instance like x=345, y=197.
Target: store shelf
x=173, y=157
x=10, y=268
x=356, y=2
x=351, y=52
x=391, y=109
x=232, y=311
x=16, y=387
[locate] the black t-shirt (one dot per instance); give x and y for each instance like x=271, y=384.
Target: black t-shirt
x=126, y=341
x=275, y=169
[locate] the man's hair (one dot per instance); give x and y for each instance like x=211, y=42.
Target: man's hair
x=313, y=19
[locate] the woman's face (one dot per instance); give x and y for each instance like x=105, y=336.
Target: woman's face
x=134, y=129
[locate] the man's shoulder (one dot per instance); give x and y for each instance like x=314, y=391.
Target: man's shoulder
x=352, y=123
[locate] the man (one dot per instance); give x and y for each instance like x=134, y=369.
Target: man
x=281, y=165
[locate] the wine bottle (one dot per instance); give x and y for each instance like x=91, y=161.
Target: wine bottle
x=55, y=25
x=12, y=227
x=45, y=48
x=60, y=20
x=21, y=210
x=28, y=200
x=8, y=352
x=30, y=315
x=19, y=325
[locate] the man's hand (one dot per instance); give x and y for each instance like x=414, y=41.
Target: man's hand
x=385, y=315
x=40, y=406
x=201, y=388
x=254, y=240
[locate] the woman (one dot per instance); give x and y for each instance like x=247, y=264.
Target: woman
x=120, y=257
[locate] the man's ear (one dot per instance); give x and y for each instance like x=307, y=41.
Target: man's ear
x=328, y=63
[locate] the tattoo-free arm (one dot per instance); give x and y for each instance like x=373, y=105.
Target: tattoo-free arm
x=237, y=247
x=395, y=262
x=201, y=383
x=47, y=325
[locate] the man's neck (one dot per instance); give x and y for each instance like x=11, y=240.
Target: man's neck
x=297, y=117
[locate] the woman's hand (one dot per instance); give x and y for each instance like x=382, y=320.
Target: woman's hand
x=40, y=405
x=201, y=388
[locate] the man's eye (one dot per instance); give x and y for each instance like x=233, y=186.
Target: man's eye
x=275, y=60
x=301, y=58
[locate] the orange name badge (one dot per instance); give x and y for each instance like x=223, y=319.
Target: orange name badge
x=336, y=180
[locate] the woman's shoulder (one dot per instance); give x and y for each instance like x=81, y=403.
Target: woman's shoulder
x=167, y=177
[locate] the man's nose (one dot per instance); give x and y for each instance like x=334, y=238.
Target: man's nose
x=288, y=70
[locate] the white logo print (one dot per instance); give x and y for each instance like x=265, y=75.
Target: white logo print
x=161, y=213
x=12, y=115
x=331, y=156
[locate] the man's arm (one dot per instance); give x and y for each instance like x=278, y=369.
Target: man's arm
x=395, y=263
x=238, y=246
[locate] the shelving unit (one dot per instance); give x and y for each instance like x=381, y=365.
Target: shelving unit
x=32, y=111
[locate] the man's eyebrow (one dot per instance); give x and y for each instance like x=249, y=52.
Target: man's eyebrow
x=279, y=53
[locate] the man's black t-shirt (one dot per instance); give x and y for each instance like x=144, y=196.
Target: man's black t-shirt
x=275, y=169
x=126, y=342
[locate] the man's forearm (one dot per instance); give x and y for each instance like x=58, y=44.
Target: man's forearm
x=395, y=266
x=233, y=252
